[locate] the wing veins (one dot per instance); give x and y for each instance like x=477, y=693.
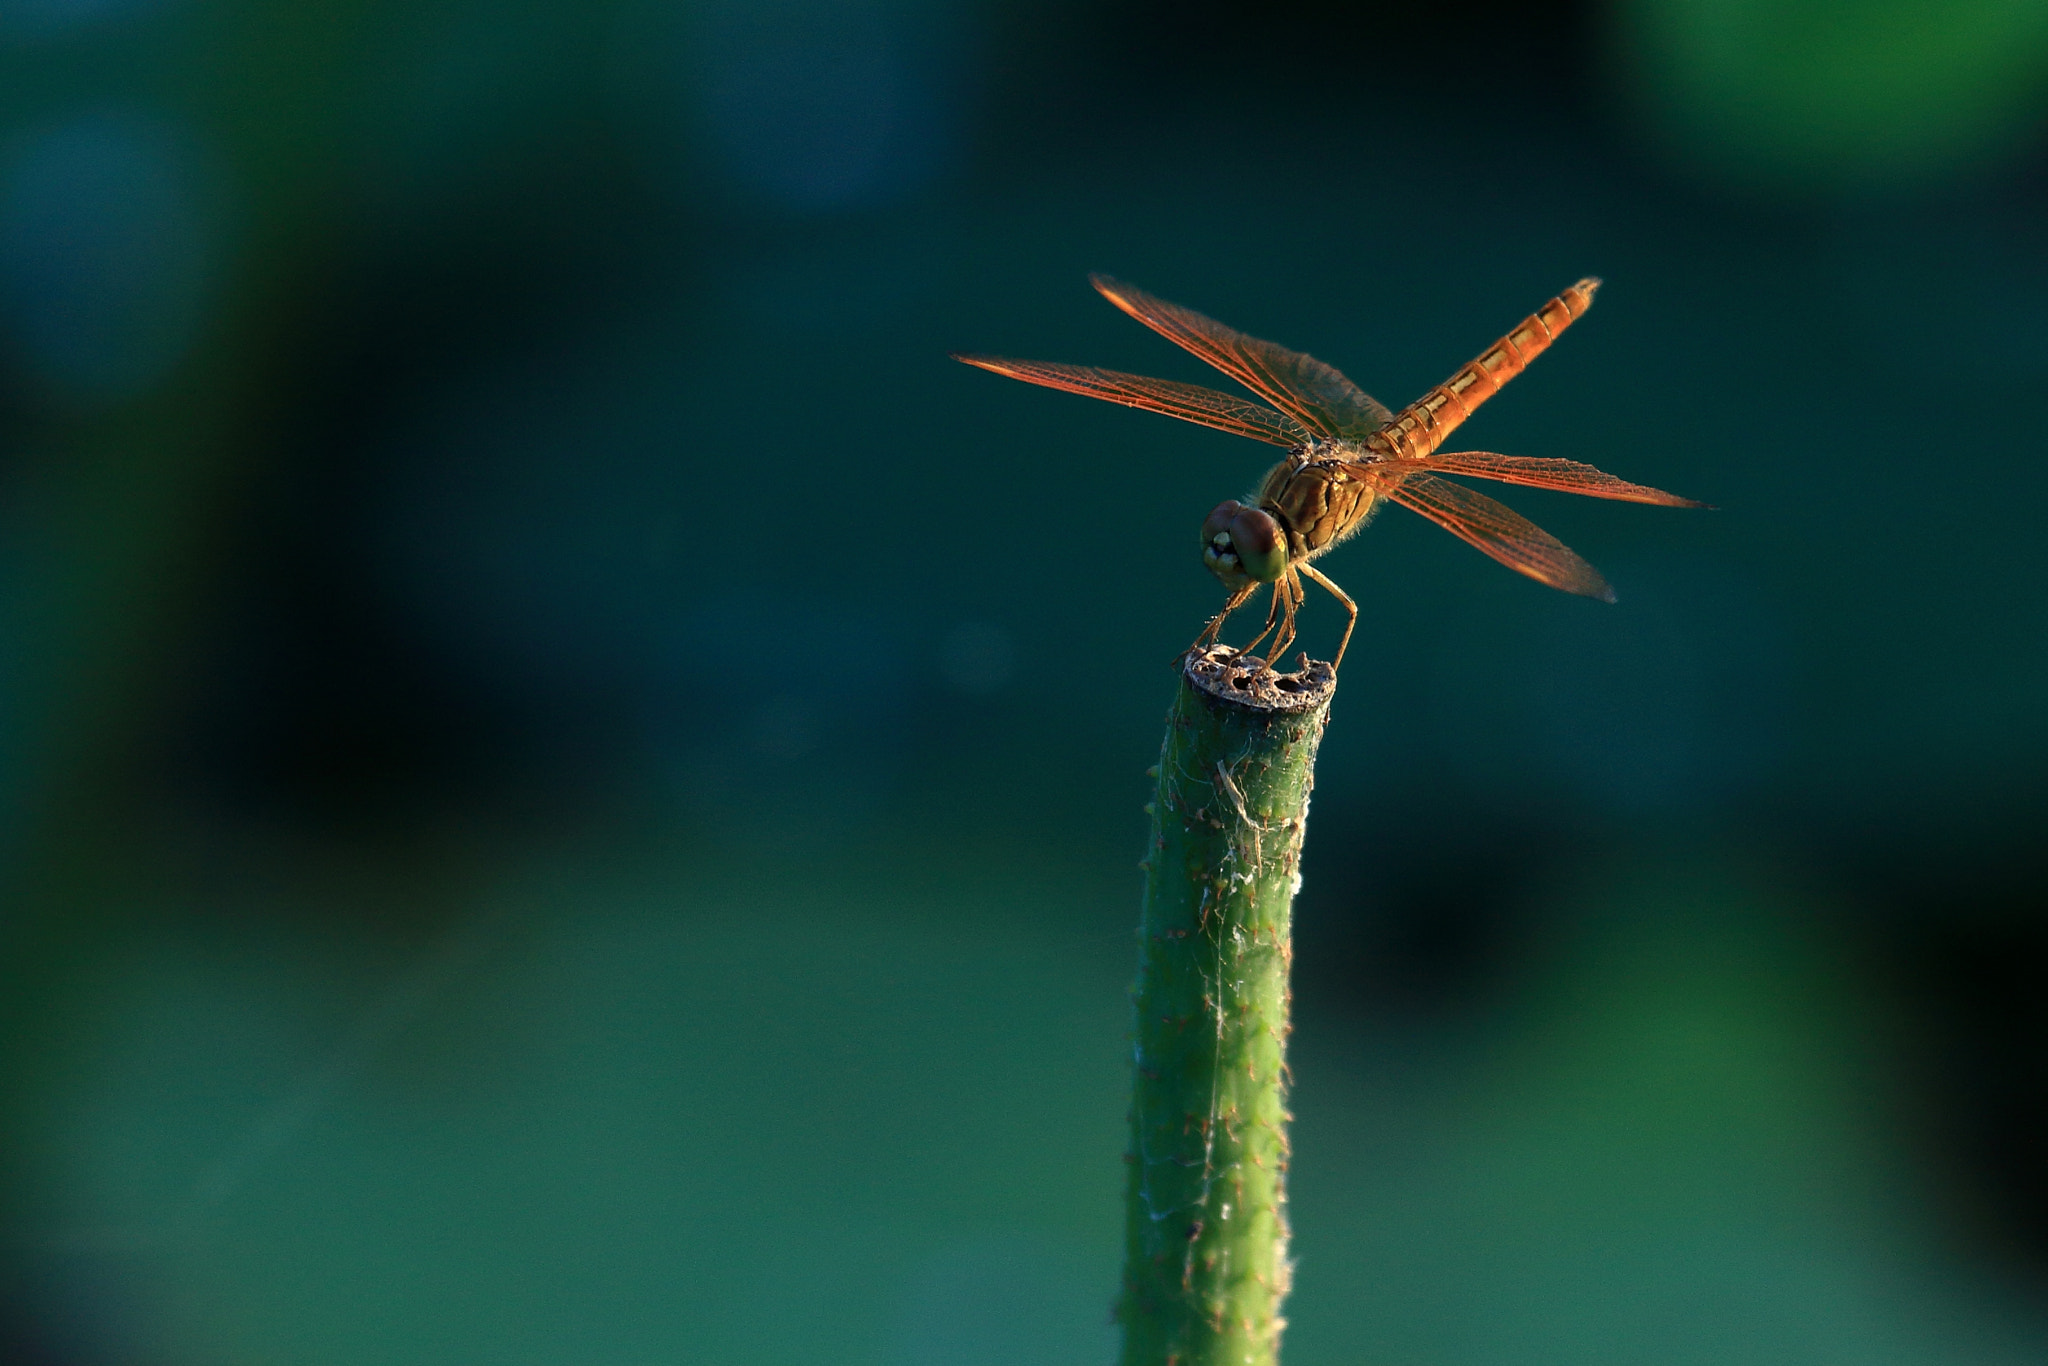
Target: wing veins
x=1501, y=532
x=1188, y=402
x=1313, y=393
x=1568, y=476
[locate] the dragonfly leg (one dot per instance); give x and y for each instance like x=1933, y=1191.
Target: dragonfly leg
x=1215, y=626
x=1349, y=606
x=1287, y=593
x=1295, y=598
x=1272, y=617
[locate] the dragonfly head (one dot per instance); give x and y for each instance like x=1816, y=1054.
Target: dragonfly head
x=1243, y=545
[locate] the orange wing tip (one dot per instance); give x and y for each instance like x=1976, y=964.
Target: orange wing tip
x=1673, y=500
x=1114, y=290
x=994, y=364
x=1587, y=582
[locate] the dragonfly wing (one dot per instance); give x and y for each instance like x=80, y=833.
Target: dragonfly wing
x=1501, y=532
x=1568, y=475
x=1304, y=388
x=1188, y=402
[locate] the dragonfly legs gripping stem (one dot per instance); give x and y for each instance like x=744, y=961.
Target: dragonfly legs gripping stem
x=1349, y=606
x=1289, y=595
x=1214, y=629
x=1272, y=618
x=1288, y=598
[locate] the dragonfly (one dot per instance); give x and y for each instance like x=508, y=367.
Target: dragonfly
x=1347, y=456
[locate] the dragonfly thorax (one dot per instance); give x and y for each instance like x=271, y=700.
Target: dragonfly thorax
x=1322, y=493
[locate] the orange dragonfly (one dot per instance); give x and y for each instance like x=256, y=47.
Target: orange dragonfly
x=1346, y=455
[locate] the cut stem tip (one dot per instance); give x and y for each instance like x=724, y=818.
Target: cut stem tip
x=1218, y=672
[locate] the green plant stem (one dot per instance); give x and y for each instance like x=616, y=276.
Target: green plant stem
x=1206, y=1266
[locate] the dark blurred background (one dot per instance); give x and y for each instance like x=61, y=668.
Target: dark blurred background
x=569, y=785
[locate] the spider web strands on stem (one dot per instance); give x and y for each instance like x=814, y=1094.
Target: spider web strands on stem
x=1206, y=1268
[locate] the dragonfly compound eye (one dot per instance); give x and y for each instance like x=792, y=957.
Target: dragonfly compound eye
x=1243, y=545
x=1219, y=551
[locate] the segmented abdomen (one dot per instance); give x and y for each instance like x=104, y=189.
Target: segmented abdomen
x=1421, y=427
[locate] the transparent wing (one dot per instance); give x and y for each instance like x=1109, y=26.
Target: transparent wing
x=1188, y=402
x=1568, y=475
x=1501, y=532
x=1312, y=393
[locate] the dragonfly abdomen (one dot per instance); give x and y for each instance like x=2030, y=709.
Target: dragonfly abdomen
x=1421, y=428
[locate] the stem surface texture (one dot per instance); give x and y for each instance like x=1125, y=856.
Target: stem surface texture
x=1206, y=1265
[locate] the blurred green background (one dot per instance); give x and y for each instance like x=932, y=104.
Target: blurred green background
x=569, y=786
